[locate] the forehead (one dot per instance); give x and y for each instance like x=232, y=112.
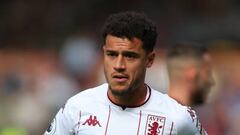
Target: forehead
x=119, y=43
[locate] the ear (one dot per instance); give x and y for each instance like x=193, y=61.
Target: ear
x=150, y=57
x=191, y=74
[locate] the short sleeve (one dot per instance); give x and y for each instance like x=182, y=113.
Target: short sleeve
x=62, y=124
x=190, y=124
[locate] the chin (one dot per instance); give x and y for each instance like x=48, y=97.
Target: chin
x=119, y=90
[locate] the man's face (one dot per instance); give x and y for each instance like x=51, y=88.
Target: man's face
x=125, y=63
x=204, y=81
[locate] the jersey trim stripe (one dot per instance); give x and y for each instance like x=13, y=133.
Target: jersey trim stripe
x=171, y=129
x=139, y=123
x=109, y=114
x=80, y=115
x=163, y=125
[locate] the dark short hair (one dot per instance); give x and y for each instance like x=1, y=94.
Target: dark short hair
x=130, y=25
x=186, y=49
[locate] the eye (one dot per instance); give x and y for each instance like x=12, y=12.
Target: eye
x=130, y=56
x=111, y=54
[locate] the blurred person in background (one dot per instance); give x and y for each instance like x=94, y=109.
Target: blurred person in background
x=79, y=57
x=126, y=104
x=190, y=75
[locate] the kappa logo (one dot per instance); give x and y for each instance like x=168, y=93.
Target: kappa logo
x=155, y=125
x=92, y=121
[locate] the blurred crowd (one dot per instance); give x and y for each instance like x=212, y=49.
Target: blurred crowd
x=50, y=51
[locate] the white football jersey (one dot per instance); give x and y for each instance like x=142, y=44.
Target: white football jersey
x=92, y=113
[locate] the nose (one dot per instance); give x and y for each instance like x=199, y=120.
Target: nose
x=120, y=65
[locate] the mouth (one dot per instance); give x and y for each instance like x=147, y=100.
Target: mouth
x=120, y=78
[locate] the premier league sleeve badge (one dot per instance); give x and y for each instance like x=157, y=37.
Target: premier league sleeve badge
x=51, y=128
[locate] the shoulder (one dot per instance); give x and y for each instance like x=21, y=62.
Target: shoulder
x=167, y=105
x=67, y=117
x=86, y=97
x=167, y=102
x=184, y=118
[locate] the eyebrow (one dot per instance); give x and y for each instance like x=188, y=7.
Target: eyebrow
x=135, y=54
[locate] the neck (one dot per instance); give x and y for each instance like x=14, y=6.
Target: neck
x=135, y=98
x=180, y=93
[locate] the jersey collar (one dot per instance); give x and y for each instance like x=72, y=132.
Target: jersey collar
x=148, y=95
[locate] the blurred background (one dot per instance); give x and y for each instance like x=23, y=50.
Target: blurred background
x=51, y=50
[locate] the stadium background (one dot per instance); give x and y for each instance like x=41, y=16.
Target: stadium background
x=50, y=50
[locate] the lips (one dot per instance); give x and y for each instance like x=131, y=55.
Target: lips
x=120, y=77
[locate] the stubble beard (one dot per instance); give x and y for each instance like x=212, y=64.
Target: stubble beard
x=200, y=96
x=122, y=92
